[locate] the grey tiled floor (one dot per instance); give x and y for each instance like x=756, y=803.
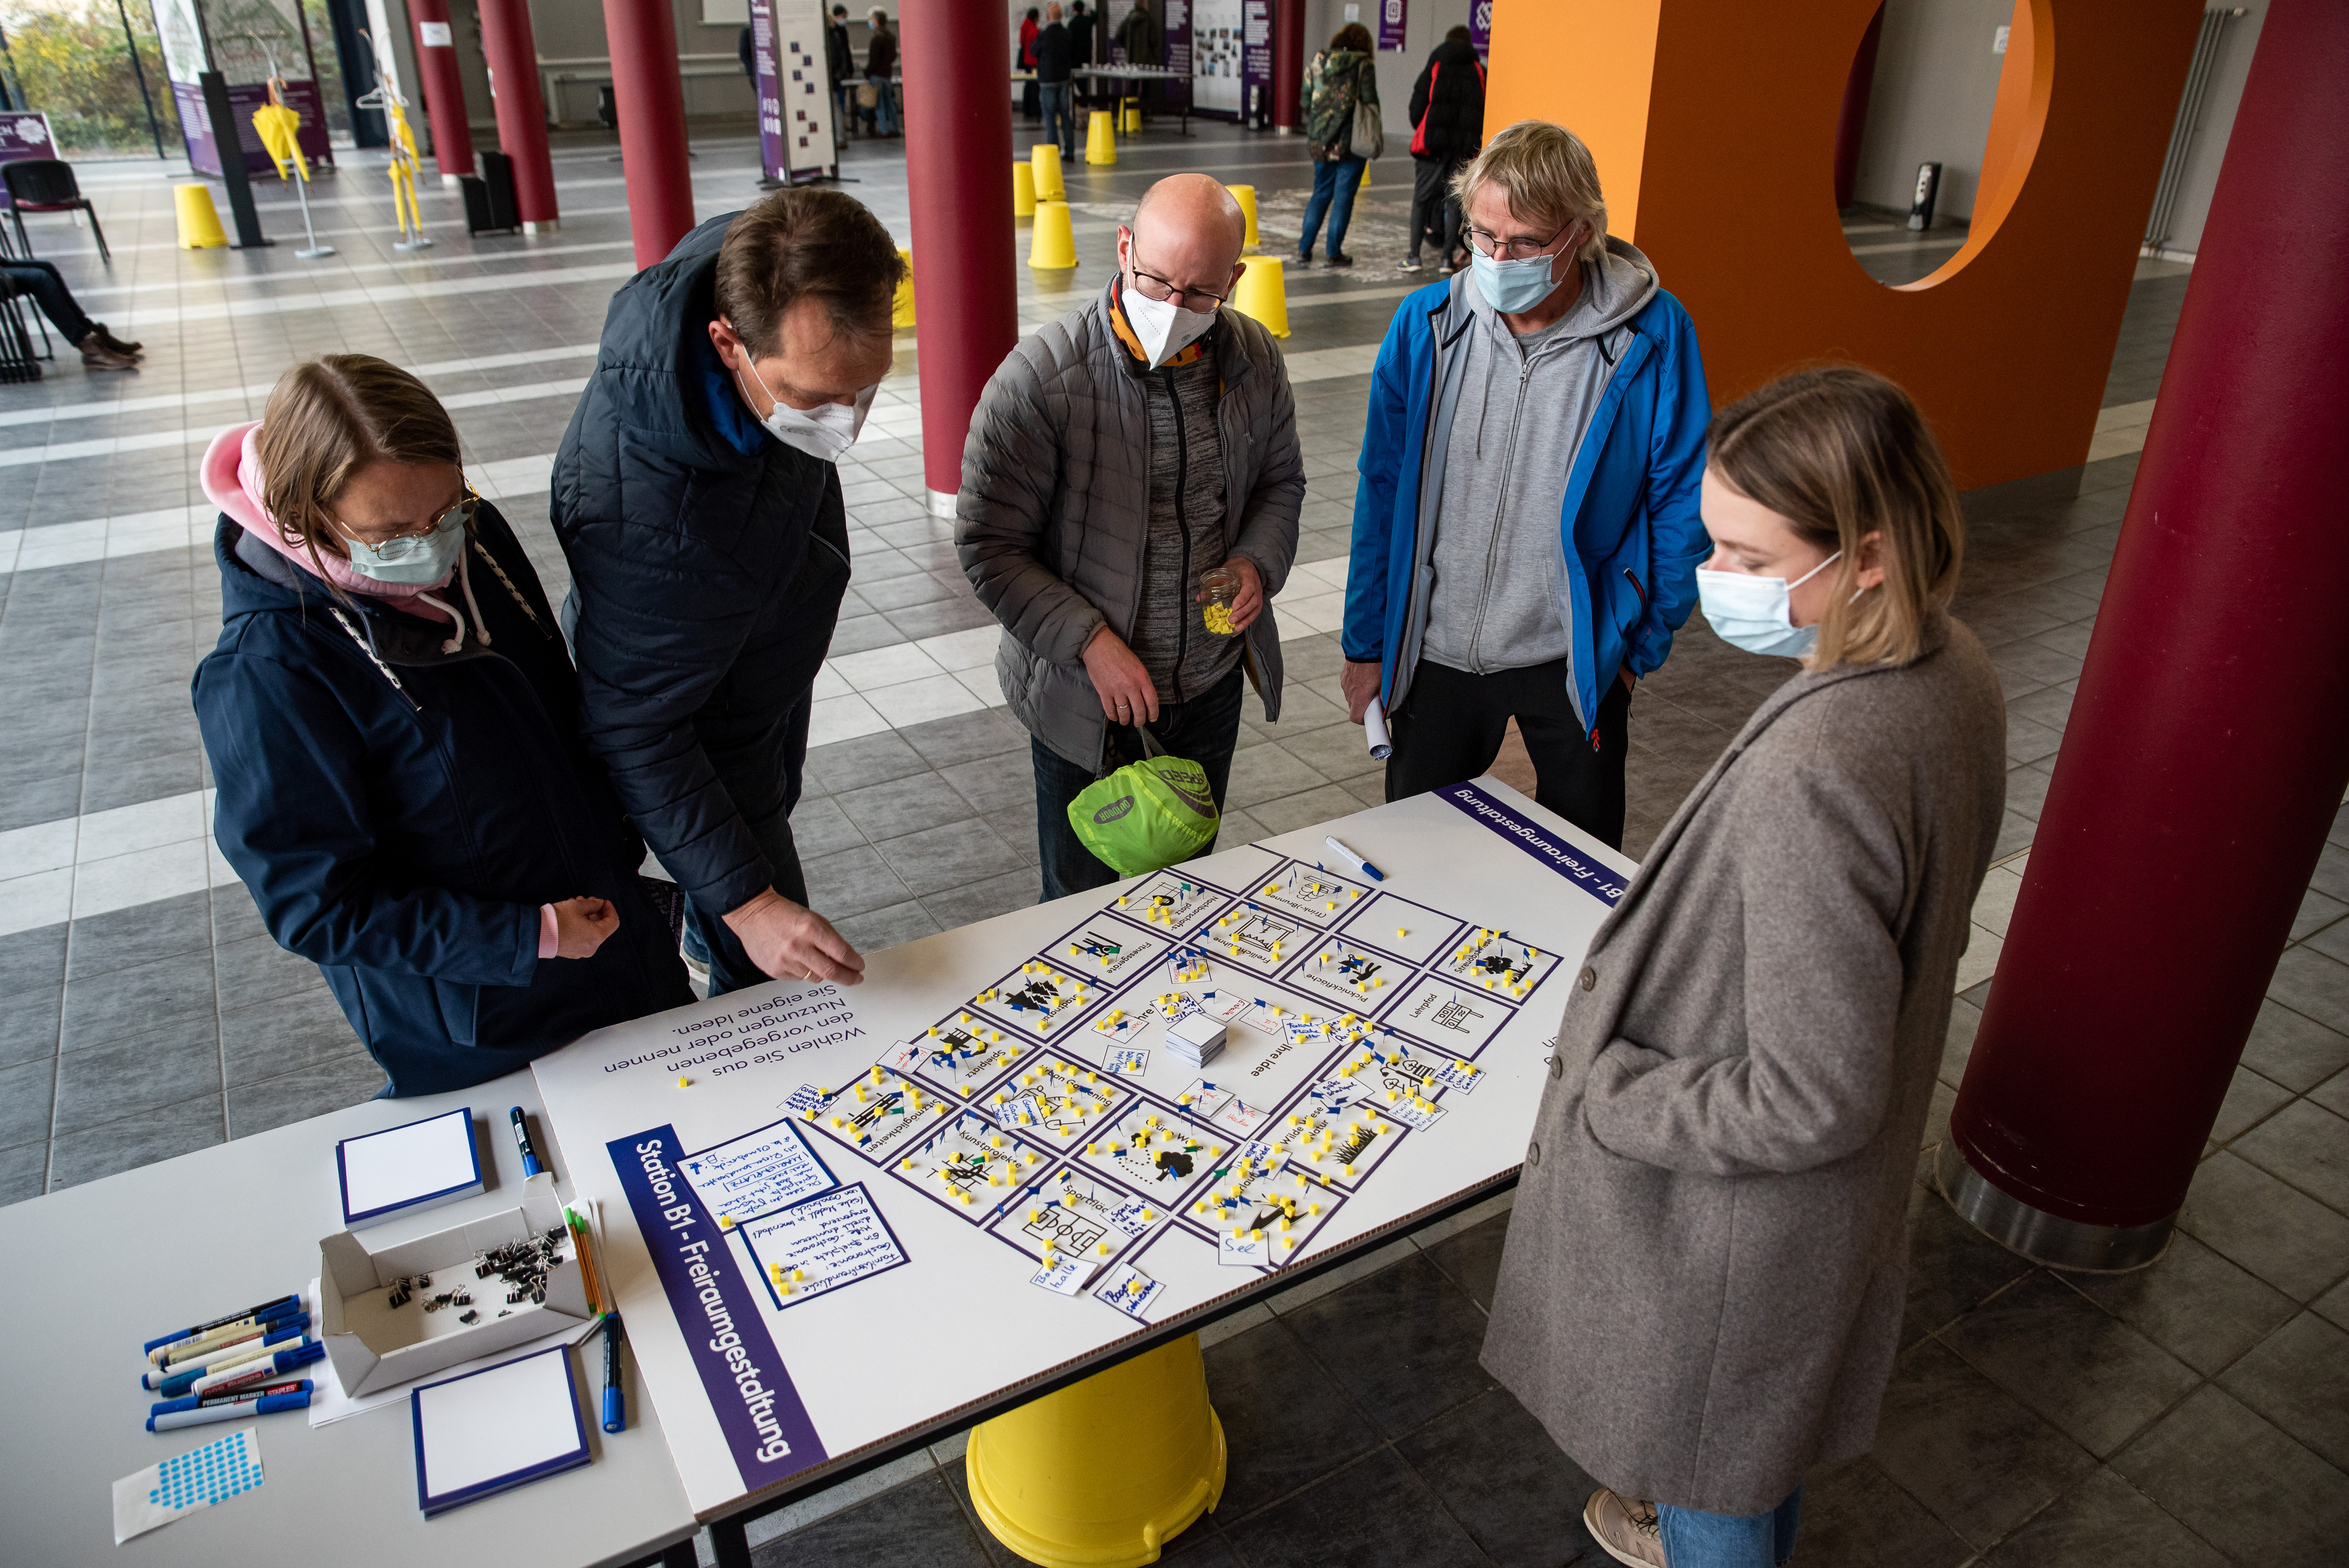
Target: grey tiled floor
x=2192, y=1413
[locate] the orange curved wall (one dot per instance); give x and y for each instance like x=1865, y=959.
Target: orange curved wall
x=1713, y=121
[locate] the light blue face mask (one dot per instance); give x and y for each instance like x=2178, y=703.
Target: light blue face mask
x=417, y=561
x=1512, y=288
x=1756, y=613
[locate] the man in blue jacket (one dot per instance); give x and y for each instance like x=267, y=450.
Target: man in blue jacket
x=1525, y=529
x=697, y=501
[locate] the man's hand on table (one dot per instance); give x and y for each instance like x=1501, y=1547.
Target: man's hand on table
x=791, y=942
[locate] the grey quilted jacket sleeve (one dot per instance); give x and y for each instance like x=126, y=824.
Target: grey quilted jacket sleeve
x=1010, y=470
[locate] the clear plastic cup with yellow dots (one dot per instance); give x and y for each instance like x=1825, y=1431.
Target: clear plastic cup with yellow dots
x=1218, y=586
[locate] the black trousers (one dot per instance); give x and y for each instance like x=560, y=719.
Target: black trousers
x=1434, y=215
x=40, y=283
x=1452, y=723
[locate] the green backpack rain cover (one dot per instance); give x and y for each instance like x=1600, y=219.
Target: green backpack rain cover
x=1147, y=815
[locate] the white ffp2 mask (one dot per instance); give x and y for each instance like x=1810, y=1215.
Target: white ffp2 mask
x=826, y=430
x=1165, y=328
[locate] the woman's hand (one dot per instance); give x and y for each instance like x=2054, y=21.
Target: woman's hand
x=581, y=924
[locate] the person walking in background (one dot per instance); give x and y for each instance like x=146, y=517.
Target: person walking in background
x=1052, y=63
x=840, y=68
x=390, y=718
x=743, y=46
x=1341, y=77
x=1700, y=1293
x=45, y=287
x=1030, y=102
x=880, y=66
x=1498, y=571
x=697, y=501
x=1447, y=118
x=1116, y=456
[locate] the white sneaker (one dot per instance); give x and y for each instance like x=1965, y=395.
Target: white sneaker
x=1625, y=1528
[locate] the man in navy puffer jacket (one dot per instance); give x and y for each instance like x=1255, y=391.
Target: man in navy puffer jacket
x=697, y=501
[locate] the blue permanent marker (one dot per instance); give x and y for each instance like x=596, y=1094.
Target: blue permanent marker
x=530, y=1166
x=1369, y=869
x=615, y=1399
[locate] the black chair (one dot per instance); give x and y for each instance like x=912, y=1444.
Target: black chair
x=18, y=360
x=45, y=185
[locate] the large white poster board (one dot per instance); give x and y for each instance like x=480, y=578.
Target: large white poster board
x=863, y=1208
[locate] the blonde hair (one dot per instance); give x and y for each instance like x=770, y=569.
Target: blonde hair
x=1548, y=176
x=1842, y=453
x=327, y=418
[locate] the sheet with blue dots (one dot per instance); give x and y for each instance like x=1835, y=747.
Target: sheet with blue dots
x=197, y=1479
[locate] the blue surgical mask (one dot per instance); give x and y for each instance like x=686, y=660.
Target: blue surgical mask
x=1755, y=614
x=1512, y=288
x=417, y=561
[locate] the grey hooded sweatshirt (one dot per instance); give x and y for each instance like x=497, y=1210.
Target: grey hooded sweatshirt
x=1499, y=559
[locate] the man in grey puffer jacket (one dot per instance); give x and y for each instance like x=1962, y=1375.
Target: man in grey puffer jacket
x=1115, y=456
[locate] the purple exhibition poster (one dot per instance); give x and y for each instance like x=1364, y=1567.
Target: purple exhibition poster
x=1480, y=28
x=1391, y=14
x=24, y=133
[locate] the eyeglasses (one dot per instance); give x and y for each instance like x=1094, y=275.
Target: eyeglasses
x=1153, y=287
x=1522, y=249
x=400, y=546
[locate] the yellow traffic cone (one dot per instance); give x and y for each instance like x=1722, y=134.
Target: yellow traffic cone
x=1045, y=159
x=1055, y=244
x=901, y=309
x=1100, y=138
x=1103, y=1473
x=1246, y=196
x=200, y=227
x=1262, y=294
x=1133, y=117
x=1023, y=191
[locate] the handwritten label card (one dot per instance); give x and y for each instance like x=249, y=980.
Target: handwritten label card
x=1130, y=1291
x=1066, y=1274
x=821, y=1244
x=758, y=1172
x=1127, y=1063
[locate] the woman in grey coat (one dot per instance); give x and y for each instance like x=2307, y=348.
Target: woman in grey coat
x=1702, y=1291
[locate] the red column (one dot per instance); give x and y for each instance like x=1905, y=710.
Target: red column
x=521, y=109
x=1288, y=64
x=649, y=97
x=2206, y=749
x=444, y=89
x=959, y=186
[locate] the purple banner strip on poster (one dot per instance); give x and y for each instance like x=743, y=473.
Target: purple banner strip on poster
x=766, y=1429
x=1390, y=26
x=1545, y=846
x=1480, y=28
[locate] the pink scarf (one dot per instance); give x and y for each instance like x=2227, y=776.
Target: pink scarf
x=232, y=476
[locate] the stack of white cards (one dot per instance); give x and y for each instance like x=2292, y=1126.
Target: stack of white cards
x=1194, y=1038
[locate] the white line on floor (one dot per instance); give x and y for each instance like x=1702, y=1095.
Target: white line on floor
x=378, y=294
x=97, y=411
x=427, y=258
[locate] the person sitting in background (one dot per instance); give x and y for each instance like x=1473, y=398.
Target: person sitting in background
x=1447, y=117
x=1116, y=456
x=390, y=718
x=1700, y=1293
x=45, y=287
x=1342, y=78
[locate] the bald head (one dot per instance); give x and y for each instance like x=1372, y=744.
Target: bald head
x=1188, y=231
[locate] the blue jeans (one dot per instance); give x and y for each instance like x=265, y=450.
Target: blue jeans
x=1059, y=117
x=1334, y=184
x=1205, y=729
x=1693, y=1540
x=884, y=115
